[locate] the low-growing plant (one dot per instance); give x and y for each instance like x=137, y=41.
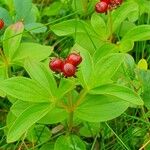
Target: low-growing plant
x=65, y=100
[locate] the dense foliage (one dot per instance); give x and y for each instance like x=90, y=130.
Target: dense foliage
x=74, y=74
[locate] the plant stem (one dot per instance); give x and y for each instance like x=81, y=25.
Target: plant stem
x=110, y=26
x=70, y=121
x=70, y=105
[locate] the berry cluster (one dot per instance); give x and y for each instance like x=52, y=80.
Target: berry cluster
x=68, y=66
x=107, y=5
x=1, y=24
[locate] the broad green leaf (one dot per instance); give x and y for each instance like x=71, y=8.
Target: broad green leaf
x=121, y=92
x=126, y=45
x=120, y=14
x=25, y=120
x=138, y=33
x=143, y=6
x=25, y=89
x=99, y=108
x=125, y=27
x=4, y=14
x=20, y=106
x=11, y=39
x=53, y=9
x=39, y=134
x=71, y=142
x=99, y=26
x=56, y=115
x=41, y=75
x=32, y=51
x=85, y=73
x=73, y=26
x=88, y=42
x=65, y=86
x=104, y=50
x=106, y=67
x=36, y=27
x=23, y=8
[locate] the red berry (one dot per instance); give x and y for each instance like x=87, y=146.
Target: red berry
x=56, y=64
x=106, y=1
x=68, y=69
x=74, y=59
x=101, y=7
x=1, y=24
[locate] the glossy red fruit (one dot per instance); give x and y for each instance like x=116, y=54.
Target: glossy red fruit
x=74, y=59
x=56, y=64
x=101, y=7
x=106, y=1
x=1, y=24
x=68, y=69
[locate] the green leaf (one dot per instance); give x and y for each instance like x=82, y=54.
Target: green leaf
x=32, y=51
x=25, y=89
x=41, y=75
x=4, y=14
x=125, y=27
x=120, y=14
x=89, y=129
x=47, y=146
x=88, y=42
x=22, y=8
x=56, y=115
x=65, y=86
x=39, y=134
x=99, y=108
x=106, y=67
x=36, y=27
x=86, y=69
x=138, y=33
x=73, y=26
x=20, y=106
x=121, y=92
x=52, y=10
x=25, y=120
x=71, y=142
x=99, y=26
x=104, y=50
x=12, y=38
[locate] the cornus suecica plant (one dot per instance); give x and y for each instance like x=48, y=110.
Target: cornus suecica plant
x=66, y=103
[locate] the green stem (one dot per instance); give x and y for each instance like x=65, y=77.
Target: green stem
x=110, y=26
x=70, y=121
